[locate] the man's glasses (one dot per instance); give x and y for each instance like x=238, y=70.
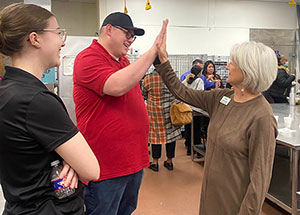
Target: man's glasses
x=62, y=33
x=127, y=33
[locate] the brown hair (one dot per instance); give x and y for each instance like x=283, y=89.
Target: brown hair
x=17, y=21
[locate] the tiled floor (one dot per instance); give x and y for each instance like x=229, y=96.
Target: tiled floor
x=175, y=192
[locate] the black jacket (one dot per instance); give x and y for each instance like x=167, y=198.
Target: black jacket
x=282, y=84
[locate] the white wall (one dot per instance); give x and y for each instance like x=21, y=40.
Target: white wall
x=43, y=3
x=80, y=19
x=203, y=26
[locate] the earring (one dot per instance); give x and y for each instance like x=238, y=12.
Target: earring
x=242, y=90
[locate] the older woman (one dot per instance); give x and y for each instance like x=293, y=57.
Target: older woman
x=34, y=124
x=241, y=133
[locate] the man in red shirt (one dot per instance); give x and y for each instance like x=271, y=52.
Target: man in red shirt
x=111, y=114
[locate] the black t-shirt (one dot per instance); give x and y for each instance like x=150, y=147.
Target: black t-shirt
x=33, y=122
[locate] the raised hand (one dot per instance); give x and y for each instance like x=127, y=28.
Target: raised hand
x=162, y=47
x=159, y=41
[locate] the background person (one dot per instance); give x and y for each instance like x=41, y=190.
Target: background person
x=35, y=126
x=280, y=88
x=242, y=130
x=196, y=62
x=112, y=115
x=209, y=72
x=162, y=132
x=193, y=81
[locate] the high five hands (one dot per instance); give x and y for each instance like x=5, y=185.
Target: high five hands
x=160, y=42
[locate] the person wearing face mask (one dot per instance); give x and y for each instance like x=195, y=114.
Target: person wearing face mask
x=196, y=62
x=112, y=115
x=35, y=126
x=280, y=88
x=194, y=81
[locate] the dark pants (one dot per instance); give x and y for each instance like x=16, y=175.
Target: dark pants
x=280, y=100
x=170, y=149
x=115, y=196
x=200, y=131
x=204, y=122
x=274, y=99
x=188, y=136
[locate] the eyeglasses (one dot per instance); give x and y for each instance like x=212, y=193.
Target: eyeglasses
x=127, y=33
x=62, y=33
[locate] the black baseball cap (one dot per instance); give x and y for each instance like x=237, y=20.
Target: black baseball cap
x=124, y=21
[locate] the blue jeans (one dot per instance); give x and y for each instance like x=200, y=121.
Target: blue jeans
x=115, y=196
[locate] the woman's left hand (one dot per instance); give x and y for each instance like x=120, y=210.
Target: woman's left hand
x=69, y=175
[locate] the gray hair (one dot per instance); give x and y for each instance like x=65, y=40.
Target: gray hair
x=258, y=64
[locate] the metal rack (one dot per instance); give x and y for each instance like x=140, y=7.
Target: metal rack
x=182, y=63
x=220, y=63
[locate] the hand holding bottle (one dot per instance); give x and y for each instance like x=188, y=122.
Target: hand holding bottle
x=69, y=175
x=61, y=188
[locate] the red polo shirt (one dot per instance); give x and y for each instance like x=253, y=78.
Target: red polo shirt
x=116, y=128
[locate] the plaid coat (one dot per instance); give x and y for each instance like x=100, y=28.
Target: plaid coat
x=159, y=100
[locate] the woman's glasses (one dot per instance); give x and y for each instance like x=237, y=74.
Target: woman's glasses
x=61, y=32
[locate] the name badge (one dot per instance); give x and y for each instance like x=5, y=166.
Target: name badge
x=225, y=100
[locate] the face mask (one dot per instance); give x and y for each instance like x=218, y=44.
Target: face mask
x=286, y=64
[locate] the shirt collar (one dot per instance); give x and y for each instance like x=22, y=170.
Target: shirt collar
x=20, y=75
x=97, y=44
